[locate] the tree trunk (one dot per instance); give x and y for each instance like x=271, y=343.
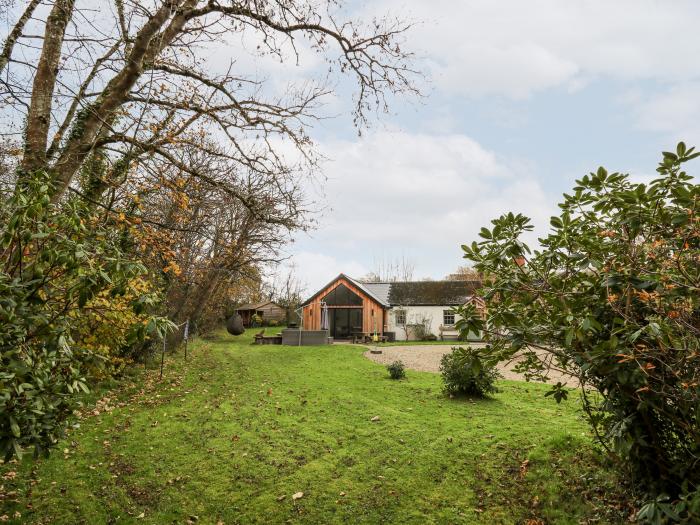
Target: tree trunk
x=16, y=33
x=103, y=112
x=39, y=116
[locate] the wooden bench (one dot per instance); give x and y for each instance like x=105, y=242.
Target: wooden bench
x=448, y=333
x=270, y=340
x=262, y=339
x=259, y=336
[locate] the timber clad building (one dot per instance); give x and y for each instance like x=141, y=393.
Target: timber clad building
x=266, y=310
x=356, y=307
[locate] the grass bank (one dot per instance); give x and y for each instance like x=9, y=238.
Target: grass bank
x=231, y=435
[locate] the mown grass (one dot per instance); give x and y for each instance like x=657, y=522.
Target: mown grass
x=231, y=435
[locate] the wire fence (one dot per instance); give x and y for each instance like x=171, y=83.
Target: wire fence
x=170, y=341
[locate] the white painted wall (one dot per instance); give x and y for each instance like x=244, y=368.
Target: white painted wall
x=413, y=315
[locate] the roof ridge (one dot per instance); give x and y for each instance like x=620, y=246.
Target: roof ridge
x=361, y=285
x=423, y=281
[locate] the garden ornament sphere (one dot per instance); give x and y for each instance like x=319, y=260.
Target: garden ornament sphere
x=234, y=325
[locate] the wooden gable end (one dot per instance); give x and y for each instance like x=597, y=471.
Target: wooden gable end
x=373, y=313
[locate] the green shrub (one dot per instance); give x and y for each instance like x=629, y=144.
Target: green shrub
x=463, y=372
x=429, y=337
x=61, y=268
x=611, y=297
x=396, y=370
x=256, y=320
x=273, y=322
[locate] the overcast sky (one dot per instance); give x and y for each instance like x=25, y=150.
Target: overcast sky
x=524, y=98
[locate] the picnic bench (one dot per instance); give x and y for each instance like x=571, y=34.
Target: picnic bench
x=261, y=339
x=364, y=337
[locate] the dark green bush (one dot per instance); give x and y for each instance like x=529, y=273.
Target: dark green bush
x=58, y=267
x=396, y=370
x=463, y=372
x=611, y=297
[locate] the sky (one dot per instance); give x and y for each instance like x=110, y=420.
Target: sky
x=522, y=99
x=519, y=100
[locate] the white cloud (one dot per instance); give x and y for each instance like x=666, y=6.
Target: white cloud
x=674, y=112
x=515, y=48
x=422, y=196
x=315, y=269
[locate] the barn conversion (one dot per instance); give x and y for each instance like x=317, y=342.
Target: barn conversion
x=401, y=310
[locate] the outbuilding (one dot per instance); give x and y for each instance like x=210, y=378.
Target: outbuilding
x=266, y=310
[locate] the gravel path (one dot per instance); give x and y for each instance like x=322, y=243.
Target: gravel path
x=426, y=358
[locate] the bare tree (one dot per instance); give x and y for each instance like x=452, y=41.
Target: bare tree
x=464, y=273
x=391, y=270
x=124, y=79
x=122, y=110
x=287, y=290
x=202, y=238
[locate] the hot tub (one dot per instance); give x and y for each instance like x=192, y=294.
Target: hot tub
x=297, y=337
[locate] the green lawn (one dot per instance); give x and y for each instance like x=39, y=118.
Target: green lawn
x=231, y=435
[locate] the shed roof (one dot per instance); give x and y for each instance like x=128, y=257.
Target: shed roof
x=256, y=306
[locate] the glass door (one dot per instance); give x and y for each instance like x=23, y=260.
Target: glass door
x=344, y=322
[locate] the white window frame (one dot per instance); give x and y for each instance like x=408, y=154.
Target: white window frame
x=401, y=313
x=445, y=314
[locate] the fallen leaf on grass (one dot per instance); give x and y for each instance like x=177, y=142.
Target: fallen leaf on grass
x=375, y=418
x=280, y=498
x=297, y=495
x=523, y=468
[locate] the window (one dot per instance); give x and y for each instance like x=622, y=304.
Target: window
x=448, y=317
x=400, y=317
x=341, y=295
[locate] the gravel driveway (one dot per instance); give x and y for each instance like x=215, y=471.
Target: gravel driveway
x=426, y=358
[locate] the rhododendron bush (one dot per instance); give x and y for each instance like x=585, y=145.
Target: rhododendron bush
x=612, y=297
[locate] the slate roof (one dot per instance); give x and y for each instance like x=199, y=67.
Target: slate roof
x=380, y=290
x=432, y=293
